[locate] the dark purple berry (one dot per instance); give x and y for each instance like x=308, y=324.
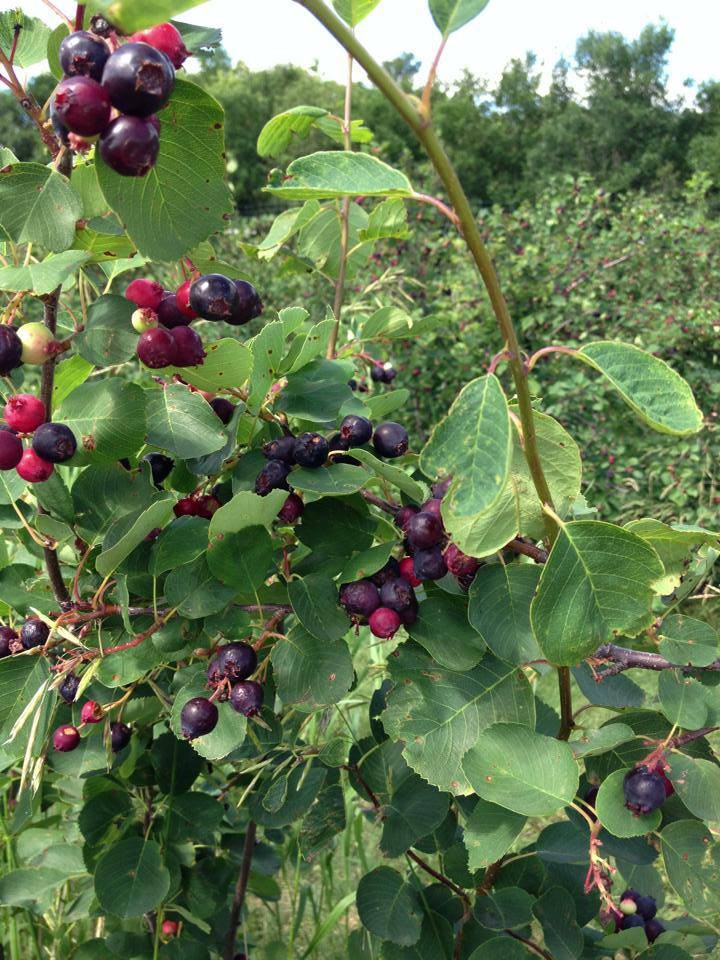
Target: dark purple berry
x=189, y=347
x=440, y=488
x=198, y=717
x=130, y=146
x=410, y=614
x=11, y=449
x=249, y=307
x=281, y=449
x=311, y=450
x=69, y=687
x=81, y=53
x=403, y=516
x=653, y=929
x=391, y=571
x=247, y=697
x=54, y=442
x=120, y=734
x=355, y=430
x=383, y=373
x=360, y=598
x=82, y=105
x=214, y=297
x=338, y=442
x=292, y=509
x=423, y=531
x=160, y=467
x=632, y=920
x=139, y=79
x=156, y=348
x=273, y=476
x=223, y=408
x=644, y=790
x=235, y=661
x=390, y=440
x=434, y=507
x=7, y=635
x=66, y=738
x=169, y=313
x=397, y=594
x=59, y=128
x=429, y=564
x=34, y=633
x=352, y=383
x=10, y=350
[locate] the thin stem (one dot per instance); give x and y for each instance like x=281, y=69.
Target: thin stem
x=623, y=659
x=240, y=889
x=441, y=878
x=444, y=209
x=344, y=218
x=58, y=13
x=566, y=708
x=528, y=550
x=79, y=16
x=379, y=502
x=430, y=82
x=533, y=947
x=29, y=104
x=546, y=351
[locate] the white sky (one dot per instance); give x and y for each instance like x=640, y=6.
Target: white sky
x=266, y=32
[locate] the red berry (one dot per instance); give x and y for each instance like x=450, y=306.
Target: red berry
x=407, y=572
x=186, y=507
x=206, y=506
x=170, y=928
x=182, y=298
x=166, y=38
x=384, y=623
x=156, y=348
x=11, y=449
x=82, y=105
x=66, y=738
x=459, y=563
x=130, y=146
x=145, y=293
x=169, y=313
x=91, y=712
x=33, y=468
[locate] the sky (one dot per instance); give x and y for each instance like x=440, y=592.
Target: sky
x=265, y=32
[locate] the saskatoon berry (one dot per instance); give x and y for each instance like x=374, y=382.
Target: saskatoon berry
x=186, y=507
x=139, y=79
x=247, y=697
x=410, y=615
x=423, y=531
x=156, y=348
x=273, y=476
x=7, y=635
x=182, y=299
x=130, y=146
x=644, y=790
x=166, y=38
x=292, y=509
x=91, y=712
x=66, y=738
x=170, y=928
x=338, y=442
x=11, y=450
x=384, y=623
x=397, y=595
x=385, y=373
x=355, y=430
x=281, y=449
x=391, y=571
x=249, y=307
x=198, y=717
x=69, y=687
x=120, y=734
x=37, y=342
x=653, y=929
x=223, y=408
x=235, y=661
x=440, y=488
x=206, y=506
x=34, y=633
x=59, y=128
x=169, y=313
x=644, y=905
x=360, y=598
x=54, y=442
x=145, y=293
x=11, y=349
x=82, y=105
x=33, y=468
x=160, y=467
x=403, y=515
x=407, y=572
x=83, y=54
x=189, y=347
x=429, y=564
x=433, y=507
x=459, y=563
x=143, y=319
x=214, y=297
x=390, y=440
x=631, y=921
x=311, y=450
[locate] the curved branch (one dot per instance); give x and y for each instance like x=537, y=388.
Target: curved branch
x=622, y=658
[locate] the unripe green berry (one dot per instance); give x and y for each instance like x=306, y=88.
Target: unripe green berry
x=144, y=319
x=36, y=342
x=628, y=907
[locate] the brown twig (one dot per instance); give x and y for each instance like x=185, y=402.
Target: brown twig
x=518, y=545
x=623, y=659
x=567, y=724
x=379, y=502
x=240, y=889
x=530, y=945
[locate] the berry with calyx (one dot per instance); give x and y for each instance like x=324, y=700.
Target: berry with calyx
x=383, y=373
x=91, y=712
x=644, y=790
x=233, y=661
x=37, y=342
x=223, y=408
x=310, y=450
x=34, y=633
x=249, y=305
x=189, y=347
x=66, y=738
x=11, y=449
x=160, y=467
x=120, y=734
x=390, y=571
x=627, y=923
x=403, y=516
x=139, y=79
x=397, y=594
x=11, y=349
x=459, y=563
x=82, y=54
x=384, y=623
x=186, y=507
x=645, y=905
x=337, y=442
x=407, y=572
x=355, y=430
x=54, y=442
x=166, y=38
x=156, y=348
x=33, y=468
x=7, y=635
x=360, y=598
x=206, y=506
x=170, y=928
x=283, y=448
x=69, y=687
x=182, y=299
x=433, y=507
x=199, y=716
x=440, y=488
x=130, y=146
x=82, y=105
x=429, y=564
x=214, y=296
x=653, y=929
x=169, y=313
x=273, y=476
x=143, y=319
x=390, y=440
x=247, y=697
x=423, y=531
x=292, y=509
x=627, y=906
x=145, y=293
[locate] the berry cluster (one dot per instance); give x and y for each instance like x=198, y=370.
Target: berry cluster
x=24, y=415
x=31, y=343
x=228, y=675
x=383, y=372
x=646, y=788
x=639, y=911
x=67, y=737
x=116, y=94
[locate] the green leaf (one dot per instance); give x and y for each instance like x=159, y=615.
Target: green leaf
x=315, y=602
x=105, y=492
x=310, y=672
x=500, y=948
x=504, y=909
x=32, y=39
x=489, y=833
x=692, y=862
x=697, y=783
x=338, y=480
x=391, y=322
x=675, y=545
x=659, y=396
x=682, y=699
x=615, y=816
x=365, y=563
x=413, y=811
x=556, y=913
x=182, y=542
x=596, y=742
x=195, y=590
x=24, y=887
x=228, y=735
x=182, y=423
x=130, y=16
x=130, y=878
x=20, y=680
x=317, y=392
x=227, y=364
x=387, y=220
x=175, y=763
x=247, y=509
x=598, y=581
x=521, y=770
x=451, y=15
x=241, y=560
x=184, y=198
x=439, y=714
x=43, y=277
x=277, y=134
x=353, y=11
x=38, y=205
x=686, y=641
x=107, y=418
x=338, y=173
x=394, y=475
x=135, y=529
x=69, y=374
x=389, y=907
x=313, y=344
x=104, y=813
x=442, y=628
x=499, y=609
x=108, y=337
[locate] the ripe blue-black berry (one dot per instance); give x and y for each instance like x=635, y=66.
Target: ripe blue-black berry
x=233, y=661
x=390, y=440
x=390, y=571
x=311, y=450
x=10, y=350
x=130, y=146
x=644, y=790
x=223, y=408
x=169, y=313
x=273, y=476
x=397, y=594
x=83, y=54
x=360, y=598
x=653, y=929
x=292, y=509
x=160, y=467
x=214, y=297
x=249, y=305
x=247, y=697
x=11, y=449
x=429, y=564
x=283, y=448
x=120, y=734
x=633, y=920
x=404, y=514
x=383, y=373
x=34, y=633
x=69, y=687
x=198, y=717
x=139, y=79
x=355, y=430
x=423, y=531
x=7, y=635
x=54, y=442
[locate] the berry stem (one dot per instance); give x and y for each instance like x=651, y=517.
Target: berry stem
x=28, y=102
x=344, y=218
x=79, y=16
x=240, y=889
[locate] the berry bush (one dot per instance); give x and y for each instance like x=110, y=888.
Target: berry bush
x=252, y=618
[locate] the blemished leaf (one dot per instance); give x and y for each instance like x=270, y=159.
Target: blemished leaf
x=38, y=205
x=108, y=337
x=389, y=907
x=499, y=609
x=657, y=394
x=442, y=628
x=135, y=527
x=25, y=886
x=309, y=672
x=682, y=699
x=521, y=770
x=315, y=602
x=697, y=783
x=504, y=909
x=130, y=16
x=675, y=545
x=107, y=418
x=598, y=581
x=32, y=38
x=43, y=277
x=227, y=364
x=451, y=15
x=354, y=11
x=489, y=833
x=184, y=198
x=615, y=816
x=686, y=641
x=130, y=878
x=228, y=735
x=599, y=741
x=692, y=861
x=413, y=811
x=337, y=173
x=277, y=134
x=556, y=913
x=182, y=423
